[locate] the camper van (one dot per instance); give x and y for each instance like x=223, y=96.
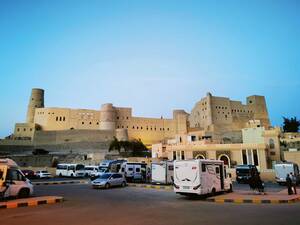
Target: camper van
x=201, y=177
x=162, y=172
x=70, y=170
x=134, y=171
x=282, y=169
x=13, y=183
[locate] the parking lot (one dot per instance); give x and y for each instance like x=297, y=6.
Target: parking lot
x=130, y=205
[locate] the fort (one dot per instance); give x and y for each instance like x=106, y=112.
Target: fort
x=85, y=131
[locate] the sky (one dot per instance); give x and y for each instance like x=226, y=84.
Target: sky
x=153, y=56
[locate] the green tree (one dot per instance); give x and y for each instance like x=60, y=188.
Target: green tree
x=114, y=145
x=291, y=125
x=134, y=148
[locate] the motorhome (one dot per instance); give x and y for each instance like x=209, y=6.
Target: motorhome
x=282, y=169
x=162, y=172
x=112, y=164
x=70, y=170
x=13, y=182
x=201, y=177
x=134, y=171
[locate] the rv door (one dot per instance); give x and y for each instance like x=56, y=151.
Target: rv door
x=3, y=172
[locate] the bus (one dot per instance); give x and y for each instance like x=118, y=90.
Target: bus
x=70, y=170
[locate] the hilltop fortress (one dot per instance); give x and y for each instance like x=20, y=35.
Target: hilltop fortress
x=65, y=129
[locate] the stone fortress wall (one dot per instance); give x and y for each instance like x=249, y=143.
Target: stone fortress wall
x=219, y=116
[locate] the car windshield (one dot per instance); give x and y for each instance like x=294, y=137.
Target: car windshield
x=105, y=176
x=44, y=171
x=80, y=167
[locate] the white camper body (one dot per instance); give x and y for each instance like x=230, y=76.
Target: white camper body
x=201, y=177
x=282, y=169
x=162, y=172
x=13, y=183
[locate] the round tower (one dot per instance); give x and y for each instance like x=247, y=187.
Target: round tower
x=107, y=117
x=122, y=134
x=36, y=101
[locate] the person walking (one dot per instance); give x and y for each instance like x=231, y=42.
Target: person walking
x=289, y=184
x=294, y=182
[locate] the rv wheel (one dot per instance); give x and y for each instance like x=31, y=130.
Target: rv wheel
x=213, y=192
x=123, y=184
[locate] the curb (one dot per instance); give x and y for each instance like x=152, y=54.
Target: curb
x=30, y=202
x=60, y=182
x=254, y=201
x=150, y=186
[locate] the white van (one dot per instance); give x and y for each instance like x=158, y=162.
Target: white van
x=134, y=171
x=201, y=177
x=13, y=183
x=282, y=169
x=70, y=170
x=162, y=172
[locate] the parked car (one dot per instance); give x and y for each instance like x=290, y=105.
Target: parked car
x=30, y=174
x=101, y=170
x=88, y=170
x=108, y=180
x=243, y=173
x=43, y=174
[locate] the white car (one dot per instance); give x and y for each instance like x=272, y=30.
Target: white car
x=97, y=173
x=43, y=174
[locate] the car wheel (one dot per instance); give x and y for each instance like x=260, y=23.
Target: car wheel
x=23, y=193
x=60, y=175
x=72, y=175
x=123, y=184
x=107, y=185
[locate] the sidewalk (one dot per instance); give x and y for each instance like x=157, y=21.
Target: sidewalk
x=34, y=201
x=251, y=197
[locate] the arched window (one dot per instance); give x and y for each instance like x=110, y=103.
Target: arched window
x=225, y=159
x=199, y=156
x=271, y=144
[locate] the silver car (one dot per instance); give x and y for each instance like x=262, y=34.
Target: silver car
x=108, y=180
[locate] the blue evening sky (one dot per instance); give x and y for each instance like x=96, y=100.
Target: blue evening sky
x=153, y=56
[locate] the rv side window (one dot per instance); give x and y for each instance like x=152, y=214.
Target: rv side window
x=123, y=169
x=225, y=173
x=171, y=167
x=203, y=166
x=137, y=170
x=130, y=169
x=217, y=170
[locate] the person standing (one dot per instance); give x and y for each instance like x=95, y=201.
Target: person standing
x=289, y=184
x=294, y=182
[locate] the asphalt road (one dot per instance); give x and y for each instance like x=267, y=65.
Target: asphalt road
x=137, y=206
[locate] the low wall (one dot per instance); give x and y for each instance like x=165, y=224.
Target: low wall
x=292, y=156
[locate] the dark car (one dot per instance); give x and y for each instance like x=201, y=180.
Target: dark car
x=30, y=174
x=243, y=173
